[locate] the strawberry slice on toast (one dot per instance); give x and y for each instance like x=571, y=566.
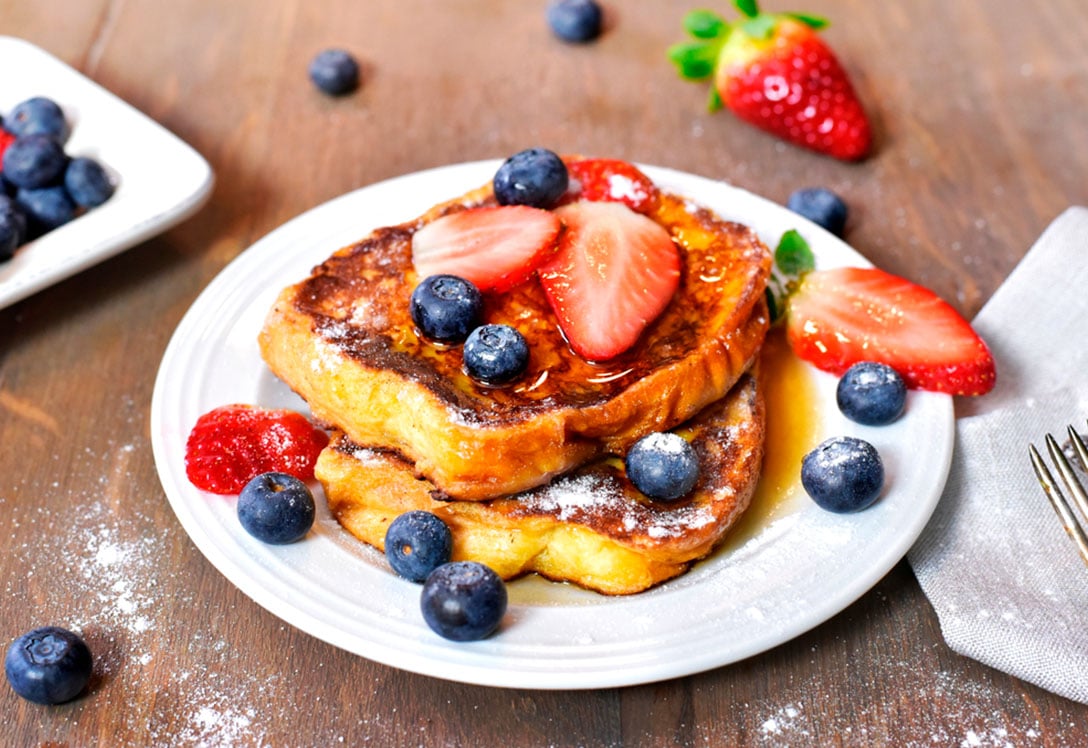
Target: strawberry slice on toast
x=496, y=248
x=615, y=271
x=610, y=180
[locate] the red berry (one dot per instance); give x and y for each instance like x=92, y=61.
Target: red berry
x=6, y=139
x=774, y=71
x=841, y=316
x=495, y=248
x=614, y=273
x=233, y=444
x=611, y=180
x=793, y=86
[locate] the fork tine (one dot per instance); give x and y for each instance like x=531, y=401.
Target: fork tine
x=1069, y=478
x=1057, y=500
x=1079, y=447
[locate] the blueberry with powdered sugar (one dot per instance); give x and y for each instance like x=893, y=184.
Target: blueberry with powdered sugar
x=446, y=308
x=843, y=474
x=664, y=466
x=417, y=543
x=496, y=354
x=463, y=600
x=871, y=393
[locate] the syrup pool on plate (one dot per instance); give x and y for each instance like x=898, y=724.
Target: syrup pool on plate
x=792, y=429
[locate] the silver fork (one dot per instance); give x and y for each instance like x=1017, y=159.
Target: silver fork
x=1074, y=525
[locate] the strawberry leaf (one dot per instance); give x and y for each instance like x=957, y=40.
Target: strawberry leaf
x=694, y=60
x=749, y=8
x=813, y=22
x=714, y=100
x=705, y=24
x=793, y=256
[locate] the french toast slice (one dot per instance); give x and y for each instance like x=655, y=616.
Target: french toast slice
x=344, y=341
x=590, y=527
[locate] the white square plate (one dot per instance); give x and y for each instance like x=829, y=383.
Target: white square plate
x=160, y=180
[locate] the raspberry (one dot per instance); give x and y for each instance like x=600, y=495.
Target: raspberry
x=231, y=445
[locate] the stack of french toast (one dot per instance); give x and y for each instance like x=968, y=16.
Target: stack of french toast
x=530, y=475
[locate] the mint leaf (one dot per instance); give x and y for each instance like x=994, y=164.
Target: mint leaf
x=793, y=256
x=694, y=60
x=775, y=303
x=705, y=24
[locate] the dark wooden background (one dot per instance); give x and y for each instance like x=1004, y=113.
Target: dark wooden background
x=980, y=110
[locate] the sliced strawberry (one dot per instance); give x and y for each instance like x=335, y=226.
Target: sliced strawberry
x=841, y=316
x=611, y=180
x=496, y=248
x=614, y=273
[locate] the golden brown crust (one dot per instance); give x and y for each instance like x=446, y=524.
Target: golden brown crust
x=591, y=527
x=344, y=341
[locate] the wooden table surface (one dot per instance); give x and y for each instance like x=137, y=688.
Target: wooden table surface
x=979, y=109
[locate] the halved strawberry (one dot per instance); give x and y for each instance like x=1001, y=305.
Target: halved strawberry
x=496, y=248
x=614, y=273
x=611, y=180
x=840, y=316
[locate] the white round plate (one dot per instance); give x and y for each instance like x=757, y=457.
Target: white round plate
x=798, y=571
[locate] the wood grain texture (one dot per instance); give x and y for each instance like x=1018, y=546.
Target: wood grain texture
x=979, y=109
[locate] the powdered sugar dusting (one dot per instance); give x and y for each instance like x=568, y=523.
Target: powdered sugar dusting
x=102, y=567
x=594, y=498
x=621, y=187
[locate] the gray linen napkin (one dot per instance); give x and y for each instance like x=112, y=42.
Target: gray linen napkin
x=1007, y=583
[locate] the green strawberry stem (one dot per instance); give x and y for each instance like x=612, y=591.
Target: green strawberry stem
x=697, y=60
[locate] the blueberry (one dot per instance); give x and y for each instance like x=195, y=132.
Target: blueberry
x=495, y=354
x=663, y=466
x=843, y=474
x=87, y=182
x=446, y=308
x=37, y=116
x=536, y=177
x=463, y=600
x=821, y=206
x=276, y=508
x=575, y=20
x=46, y=208
x=335, y=72
x=48, y=665
x=417, y=543
x=871, y=393
x=34, y=161
x=12, y=227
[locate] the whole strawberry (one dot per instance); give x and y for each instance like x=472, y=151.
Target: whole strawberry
x=774, y=71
